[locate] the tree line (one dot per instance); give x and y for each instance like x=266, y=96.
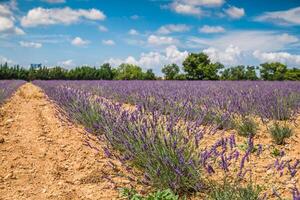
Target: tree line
x=197, y=66
x=104, y=72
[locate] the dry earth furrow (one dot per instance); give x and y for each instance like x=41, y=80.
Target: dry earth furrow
x=43, y=157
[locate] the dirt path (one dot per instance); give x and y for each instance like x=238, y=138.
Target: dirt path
x=43, y=157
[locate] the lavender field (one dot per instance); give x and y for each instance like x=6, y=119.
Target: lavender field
x=199, y=139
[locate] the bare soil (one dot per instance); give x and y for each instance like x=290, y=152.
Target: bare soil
x=43, y=156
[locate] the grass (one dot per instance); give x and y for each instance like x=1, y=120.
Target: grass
x=246, y=127
x=229, y=191
x=279, y=133
x=131, y=194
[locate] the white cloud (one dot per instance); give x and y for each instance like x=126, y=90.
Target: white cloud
x=78, y=41
x=246, y=41
x=209, y=3
x=211, y=29
x=161, y=40
x=5, y=11
x=154, y=60
x=185, y=9
x=5, y=60
x=229, y=56
x=286, y=38
x=238, y=47
x=55, y=1
x=134, y=17
x=193, y=7
x=41, y=16
x=133, y=32
x=7, y=21
x=283, y=57
x=102, y=28
x=67, y=63
x=235, y=12
x=6, y=24
x=173, y=28
x=35, y=45
x=285, y=17
x=108, y=42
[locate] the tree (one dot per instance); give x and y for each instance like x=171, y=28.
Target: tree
x=273, y=71
x=57, y=73
x=129, y=72
x=239, y=73
x=149, y=75
x=199, y=67
x=105, y=72
x=170, y=71
x=292, y=74
x=251, y=73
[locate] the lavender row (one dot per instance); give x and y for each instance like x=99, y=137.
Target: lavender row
x=164, y=150
x=268, y=100
x=8, y=87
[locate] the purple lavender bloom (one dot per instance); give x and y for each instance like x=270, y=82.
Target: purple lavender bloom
x=296, y=194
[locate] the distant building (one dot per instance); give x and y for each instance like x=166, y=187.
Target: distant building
x=35, y=66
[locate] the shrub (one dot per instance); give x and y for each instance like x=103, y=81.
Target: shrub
x=275, y=152
x=229, y=191
x=131, y=194
x=246, y=127
x=280, y=133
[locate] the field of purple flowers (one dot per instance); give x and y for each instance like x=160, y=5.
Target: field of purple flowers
x=212, y=140
x=8, y=87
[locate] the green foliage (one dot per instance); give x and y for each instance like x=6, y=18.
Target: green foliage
x=251, y=73
x=171, y=71
x=105, y=72
x=245, y=146
x=275, y=152
x=131, y=194
x=199, y=67
x=196, y=67
x=273, y=71
x=133, y=72
x=129, y=72
x=292, y=74
x=239, y=73
x=149, y=75
x=279, y=133
x=219, y=119
x=229, y=191
x=246, y=127
x=180, y=77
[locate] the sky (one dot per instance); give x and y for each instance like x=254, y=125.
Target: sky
x=148, y=33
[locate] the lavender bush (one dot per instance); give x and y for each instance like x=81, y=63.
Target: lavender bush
x=8, y=87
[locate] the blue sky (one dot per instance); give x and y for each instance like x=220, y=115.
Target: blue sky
x=149, y=33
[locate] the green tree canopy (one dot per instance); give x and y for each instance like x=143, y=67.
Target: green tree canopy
x=292, y=74
x=149, y=75
x=129, y=72
x=239, y=73
x=273, y=71
x=199, y=67
x=171, y=71
x=105, y=72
